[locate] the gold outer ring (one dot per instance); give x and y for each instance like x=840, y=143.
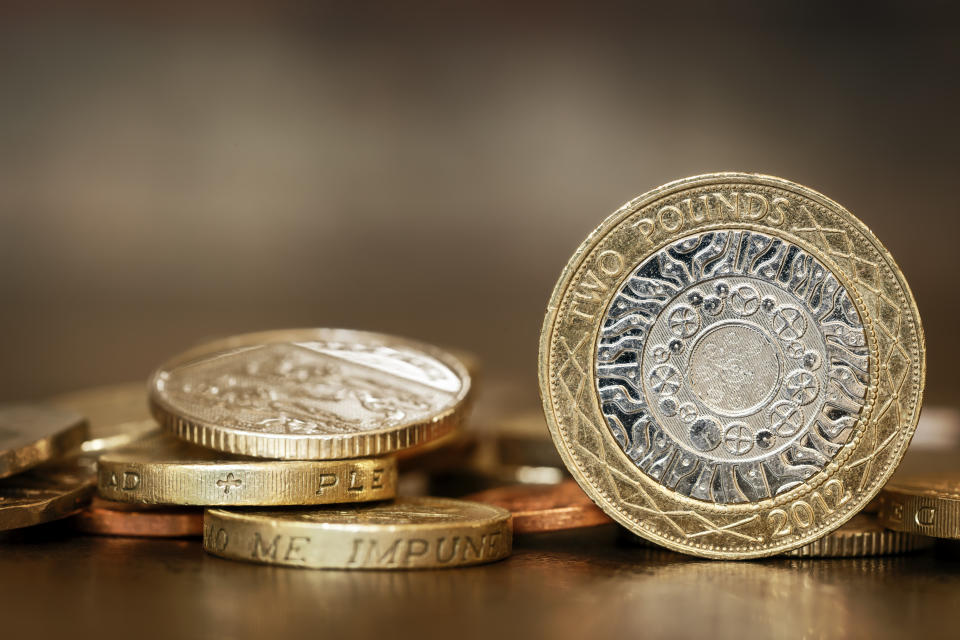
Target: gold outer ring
x=357, y=444
x=380, y=537
x=811, y=509
x=862, y=536
x=47, y=433
x=46, y=493
x=927, y=505
x=136, y=475
x=859, y=537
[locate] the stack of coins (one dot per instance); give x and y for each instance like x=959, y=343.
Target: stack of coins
x=306, y=426
x=731, y=366
x=41, y=476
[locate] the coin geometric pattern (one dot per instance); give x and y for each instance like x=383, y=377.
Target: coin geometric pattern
x=731, y=366
x=312, y=387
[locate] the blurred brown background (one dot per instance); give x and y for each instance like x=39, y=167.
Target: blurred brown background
x=170, y=173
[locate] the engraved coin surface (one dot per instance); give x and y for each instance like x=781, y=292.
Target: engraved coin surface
x=168, y=471
x=311, y=394
x=409, y=533
x=33, y=434
x=49, y=492
x=926, y=504
x=732, y=365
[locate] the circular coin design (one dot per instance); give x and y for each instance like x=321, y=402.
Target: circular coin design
x=732, y=365
x=311, y=394
x=733, y=326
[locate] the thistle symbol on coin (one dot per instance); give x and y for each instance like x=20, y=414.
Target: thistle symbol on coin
x=229, y=482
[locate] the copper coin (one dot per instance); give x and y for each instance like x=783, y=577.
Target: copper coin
x=107, y=518
x=538, y=508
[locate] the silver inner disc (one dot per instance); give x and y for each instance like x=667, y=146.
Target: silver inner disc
x=731, y=366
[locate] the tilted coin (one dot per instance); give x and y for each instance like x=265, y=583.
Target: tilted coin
x=32, y=434
x=311, y=394
x=117, y=414
x=925, y=504
x=165, y=470
x=49, y=492
x=106, y=518
x=539, y=508
x=410, y=533
x=732, y=365
x=862, y=535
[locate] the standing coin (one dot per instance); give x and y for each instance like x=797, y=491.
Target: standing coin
x=410, y=533
x=165, y=470
x=31, y=434
x=539, y=508
x=862, y=535
x=106, y=518
x=732, y=365
x=49, y=492
x=311, y=394
x=117, y=414
x=927, y=504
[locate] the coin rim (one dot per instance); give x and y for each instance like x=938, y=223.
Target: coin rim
x=285, y=446
x=632, y=207
x=176, y=482
x=100, y=520
x=48, y=447
x=69, y=501
x=496, y=514
x=339, y=533
x=565, y=517
x=913, y=498
x=852, y=541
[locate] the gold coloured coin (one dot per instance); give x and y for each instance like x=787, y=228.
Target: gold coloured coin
x=32, y=434
x=732, y=365
x=117, y=414
x=165, y=470
x=925, y=504
x=311, y=394
x=862, y=535
x=410, y=533
x=48, y=492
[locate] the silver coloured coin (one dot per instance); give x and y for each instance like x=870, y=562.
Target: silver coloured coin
x=732, y=365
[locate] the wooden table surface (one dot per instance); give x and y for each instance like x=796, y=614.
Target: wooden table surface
x=583, y=584
x=590, y=583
